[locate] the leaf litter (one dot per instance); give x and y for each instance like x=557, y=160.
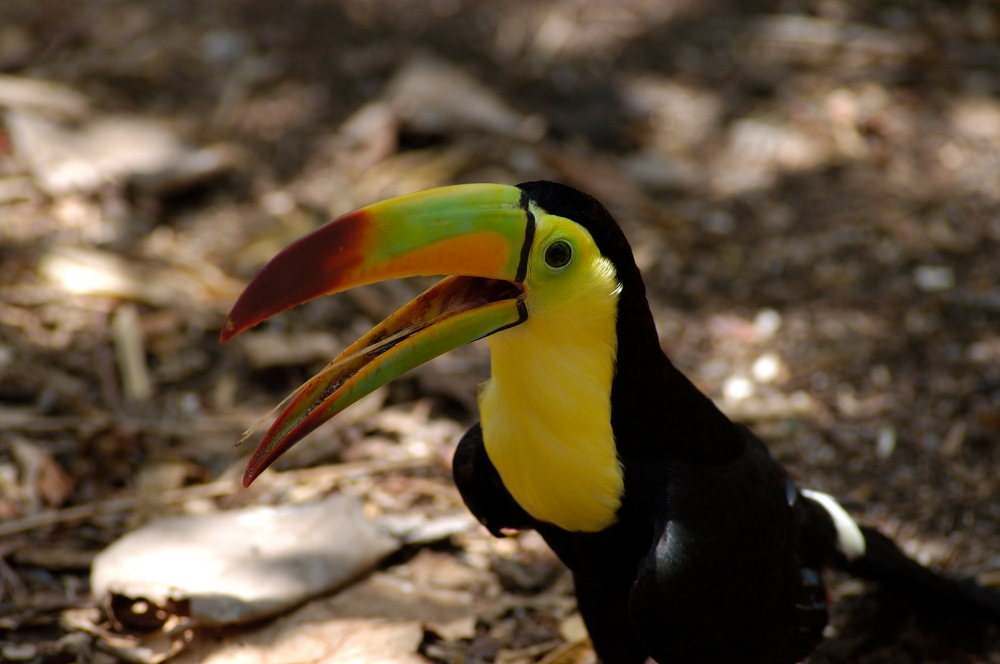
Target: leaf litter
x=810, y=192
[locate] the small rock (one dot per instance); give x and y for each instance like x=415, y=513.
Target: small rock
x=885, y=443
x=766, y=324
x=934, y=278
x=737, y=388
x=766, y=368
x=19, y=652
x=572, y=628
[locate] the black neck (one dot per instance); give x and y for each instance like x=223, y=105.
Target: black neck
x=656, y=412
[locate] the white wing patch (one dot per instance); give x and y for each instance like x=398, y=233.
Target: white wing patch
x=850, y=541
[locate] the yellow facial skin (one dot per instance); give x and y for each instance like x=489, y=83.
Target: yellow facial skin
x=546, y=411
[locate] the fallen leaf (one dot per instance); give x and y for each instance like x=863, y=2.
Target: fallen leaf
x=115, y=149
x=312, y=635
x=580, y=652
x=270, y=348
x=43, y=479
x=432, y=95
x=43, y=96
x=244, y=564
x=573, y=629
x=455, y=630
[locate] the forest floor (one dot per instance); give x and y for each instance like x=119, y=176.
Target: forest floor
x=811, y=189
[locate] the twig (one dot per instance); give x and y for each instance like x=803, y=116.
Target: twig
x=989, y=301
x=351, y=469
x=131, y=353
x=77, y=512
x=331, y=472
x=27, y=419
x=520, y=654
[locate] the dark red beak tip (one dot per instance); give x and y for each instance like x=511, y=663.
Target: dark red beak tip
x=228, y=332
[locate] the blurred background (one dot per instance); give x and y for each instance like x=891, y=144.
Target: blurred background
x=811, y=189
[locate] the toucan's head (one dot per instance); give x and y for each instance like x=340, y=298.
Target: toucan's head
x=534, y=251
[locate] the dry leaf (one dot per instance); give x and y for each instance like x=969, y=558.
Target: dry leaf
x=43, y=96
x=455, y=630
x=245, y=564
x=434, y=96
x=311, y=634
x=43, y=479
x=580, y=652
x=269, y=348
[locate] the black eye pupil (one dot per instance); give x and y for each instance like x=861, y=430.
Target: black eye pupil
x=558, y=254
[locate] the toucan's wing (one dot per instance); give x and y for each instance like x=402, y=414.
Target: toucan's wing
x=602, y=599
x=724, y=580
x=482, y=489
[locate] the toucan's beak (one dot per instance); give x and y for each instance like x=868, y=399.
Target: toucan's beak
x=479, y=233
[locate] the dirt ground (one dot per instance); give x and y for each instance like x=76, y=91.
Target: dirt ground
x=811, y=188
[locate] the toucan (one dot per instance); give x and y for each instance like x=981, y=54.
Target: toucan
x=688, y=542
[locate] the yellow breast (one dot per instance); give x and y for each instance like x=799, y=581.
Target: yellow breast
x=546, y=411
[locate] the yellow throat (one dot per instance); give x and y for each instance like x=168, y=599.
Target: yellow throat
x=546, y=410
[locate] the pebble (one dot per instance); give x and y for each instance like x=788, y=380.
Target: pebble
x=766, y=323
x=885, y=442
x=19, y=652
x=737, y=388
x=934, y=278
x=766, y=368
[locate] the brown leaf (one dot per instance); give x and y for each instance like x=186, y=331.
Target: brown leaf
x=311, y=635
x=580, y=652
x=43, y=479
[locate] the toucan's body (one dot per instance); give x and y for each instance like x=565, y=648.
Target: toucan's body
x=687, y=540
x=683, y=575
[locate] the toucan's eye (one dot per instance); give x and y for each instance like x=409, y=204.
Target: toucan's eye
x=559, y=254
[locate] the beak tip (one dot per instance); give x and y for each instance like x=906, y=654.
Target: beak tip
x=228, y=332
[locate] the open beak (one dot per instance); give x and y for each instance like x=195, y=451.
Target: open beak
x=478, y=233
